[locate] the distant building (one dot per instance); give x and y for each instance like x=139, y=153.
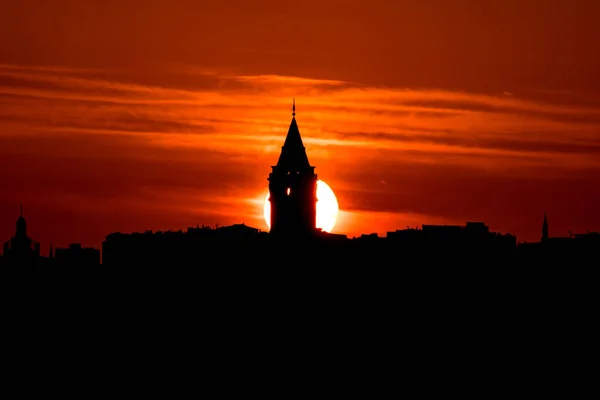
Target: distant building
x=21, y=249
x=77, y=256
x=579, y=245
x=197, y=246
x=474, y=238
x=368, y=236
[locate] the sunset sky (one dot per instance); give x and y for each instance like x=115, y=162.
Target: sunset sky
x=127, y=115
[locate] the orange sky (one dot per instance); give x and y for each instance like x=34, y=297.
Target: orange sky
x=133, y=115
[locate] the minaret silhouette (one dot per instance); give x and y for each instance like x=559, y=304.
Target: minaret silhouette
x=545, y=229
x=293, y=187
x=21, y=224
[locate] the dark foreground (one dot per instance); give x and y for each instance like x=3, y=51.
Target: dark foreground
x=305, y=323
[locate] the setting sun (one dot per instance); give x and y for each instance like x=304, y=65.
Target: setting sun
x=327, y=207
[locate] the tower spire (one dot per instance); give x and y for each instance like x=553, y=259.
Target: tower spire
x=293, y=154
x=21, y=224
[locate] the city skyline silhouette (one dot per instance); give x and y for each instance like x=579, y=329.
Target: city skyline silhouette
x=171, y=116
x=293, y=201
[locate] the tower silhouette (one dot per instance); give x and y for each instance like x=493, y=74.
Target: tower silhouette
x=545, y=229
x=293, y=187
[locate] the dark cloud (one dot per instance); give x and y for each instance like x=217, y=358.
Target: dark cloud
x=376, y=110
x=100, y=166
x=483, y=142
x=113, y=121
x=569, y=115
x=90, y=87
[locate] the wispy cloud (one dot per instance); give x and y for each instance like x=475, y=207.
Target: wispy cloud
x=327, y=108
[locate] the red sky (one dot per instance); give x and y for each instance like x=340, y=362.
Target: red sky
x=134, y=115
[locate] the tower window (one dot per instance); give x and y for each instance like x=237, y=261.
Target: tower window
x=289, y=191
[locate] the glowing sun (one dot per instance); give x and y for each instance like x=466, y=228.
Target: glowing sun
x=327, y=207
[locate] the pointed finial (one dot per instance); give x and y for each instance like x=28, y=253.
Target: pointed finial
x=294, y=107
x=21, y=208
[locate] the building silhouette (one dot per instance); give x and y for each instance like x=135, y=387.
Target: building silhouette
x=293, y=188
x=23, y=253
x=474, y=238
x=76, y=256
x=21, y=248
x=197, y=246
x=575, y=246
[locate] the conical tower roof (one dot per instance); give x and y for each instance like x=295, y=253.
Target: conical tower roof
x=293, y=153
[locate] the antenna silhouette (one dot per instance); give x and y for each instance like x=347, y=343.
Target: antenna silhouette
x=21, y=208
x=294, y=107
